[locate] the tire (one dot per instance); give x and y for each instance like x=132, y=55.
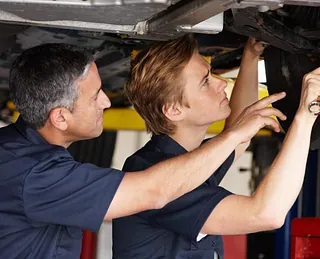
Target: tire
x=284, y=72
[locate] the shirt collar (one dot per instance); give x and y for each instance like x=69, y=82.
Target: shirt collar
x=28, y=132
x=168, y=145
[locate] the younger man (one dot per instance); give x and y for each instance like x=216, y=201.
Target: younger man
x=171, y=87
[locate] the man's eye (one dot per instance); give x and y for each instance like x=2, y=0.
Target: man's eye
x=97, y=95
x=206, y=82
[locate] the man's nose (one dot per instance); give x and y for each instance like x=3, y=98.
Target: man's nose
x=224, y=84
x=221, y=83
x=105, y=101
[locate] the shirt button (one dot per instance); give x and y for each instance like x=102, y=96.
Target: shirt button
x=213, y=243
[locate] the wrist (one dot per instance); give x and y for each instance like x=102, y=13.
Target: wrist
x=304, y=118
x=248, y=55
x=232, y=136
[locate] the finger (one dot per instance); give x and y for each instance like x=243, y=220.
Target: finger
x=269, y=122
x=312, y=86
x=312, y=92
x=269, y=111
x=264, y=44
x=251, y=40
x=268, y=100
x=316, y=71
x=314, y=81
x=259, y=47
x=311, y=76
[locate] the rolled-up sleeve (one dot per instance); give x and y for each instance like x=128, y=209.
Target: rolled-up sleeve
x=65, y=192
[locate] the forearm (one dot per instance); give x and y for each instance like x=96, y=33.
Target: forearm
x=275, y=195
x=164, y=182
x=268, y=207
x=281, y=186
x=245, y=91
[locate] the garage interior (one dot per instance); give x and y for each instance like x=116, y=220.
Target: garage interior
x=289, y=28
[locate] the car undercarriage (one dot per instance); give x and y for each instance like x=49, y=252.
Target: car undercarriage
x=291, y=28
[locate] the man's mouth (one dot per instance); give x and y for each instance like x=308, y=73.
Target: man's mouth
x=225, y=100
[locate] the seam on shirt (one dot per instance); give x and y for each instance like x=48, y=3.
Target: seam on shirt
x=15, y=155
x=21, y=132
x=224, y=168
x=23, y=185
x=24, y=179
x=128, y=160
x=58, y=243
x=224, y=193
x=115, y=189
x=27, y=174
x=22, y=192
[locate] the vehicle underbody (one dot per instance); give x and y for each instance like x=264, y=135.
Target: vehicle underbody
x=116, y=27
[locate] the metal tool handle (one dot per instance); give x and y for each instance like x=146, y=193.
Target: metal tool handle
x=314, y=107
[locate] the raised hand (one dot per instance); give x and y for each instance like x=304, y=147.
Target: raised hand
x=253, y=47
x=310, y=91
x=257, y=116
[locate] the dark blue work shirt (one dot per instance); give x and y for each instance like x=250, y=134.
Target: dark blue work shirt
x=46, y=197
x=171, y=232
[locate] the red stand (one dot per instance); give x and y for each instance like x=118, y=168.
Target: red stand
x=89, y=242
x=235, y=247
x=305, y=238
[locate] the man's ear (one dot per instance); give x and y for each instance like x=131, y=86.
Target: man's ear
x=173, y=112
x=59, y=118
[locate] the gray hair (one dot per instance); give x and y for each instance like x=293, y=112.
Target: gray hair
x=47, y=76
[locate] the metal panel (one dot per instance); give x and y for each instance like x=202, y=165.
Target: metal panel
x=253, y=3
x=212, y=25
x=116, y=15
x=187, y=13
x=85, y=2
x=103, y=27
x=115, y=12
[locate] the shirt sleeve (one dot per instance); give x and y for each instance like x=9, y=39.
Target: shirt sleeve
x=223, y=169
x=65, y=192
x=187, y=215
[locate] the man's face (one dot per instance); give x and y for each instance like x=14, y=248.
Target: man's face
x=204, y=93
x=87, y=117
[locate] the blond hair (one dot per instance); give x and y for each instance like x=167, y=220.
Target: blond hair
x=155, y=81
